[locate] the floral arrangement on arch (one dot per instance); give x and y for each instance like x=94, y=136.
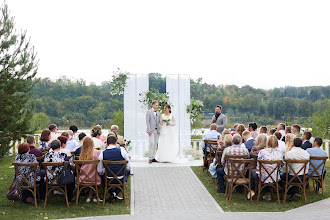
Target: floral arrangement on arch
x=195, y=109
x=151, y=95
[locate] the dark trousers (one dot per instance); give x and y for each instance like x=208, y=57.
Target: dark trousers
x=294, y=189
x=206, y=154
x=221, y=181
x=117, y=190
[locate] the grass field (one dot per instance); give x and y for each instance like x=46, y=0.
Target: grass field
x=240, y=204
x=56, y=207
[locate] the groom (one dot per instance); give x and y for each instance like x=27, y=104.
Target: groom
x=153, y=129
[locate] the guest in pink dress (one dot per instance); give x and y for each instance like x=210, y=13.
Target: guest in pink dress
x=88, y=152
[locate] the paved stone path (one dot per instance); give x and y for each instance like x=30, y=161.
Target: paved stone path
x=166, y=191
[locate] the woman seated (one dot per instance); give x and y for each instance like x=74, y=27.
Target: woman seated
x=25, y=157
x=96, y=134
x=43, y=141
x=88, y=152
x=63, y=141
x=269, y=153
x=227, y=142
x=81, y=137
x=259, y=144
x=59, y=157
x=289, y=141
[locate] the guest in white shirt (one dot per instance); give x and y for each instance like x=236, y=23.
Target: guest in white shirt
x=281, y=144
x=281, y=129
x=53, y=132
x=253, y=129
x=263, y=131
x=98, y=144
x=296, y=153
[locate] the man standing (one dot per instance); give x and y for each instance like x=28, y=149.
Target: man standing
x=219, y=119
x=153, y=130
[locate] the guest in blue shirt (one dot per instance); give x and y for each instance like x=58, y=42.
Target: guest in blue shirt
x=316, y=151
x=212, y=135
x=249, y=141
x=71, y=144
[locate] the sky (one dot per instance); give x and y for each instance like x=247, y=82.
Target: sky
x=264, y=44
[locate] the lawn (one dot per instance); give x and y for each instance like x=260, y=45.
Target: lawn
x=56, y=207
x=240, y=204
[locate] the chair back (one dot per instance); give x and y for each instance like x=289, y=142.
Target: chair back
x=295, y=176
x=44, y=152
x=212, y=145
x=228, y=157
x=271, y=169
x=47, y=166
x=40, y=160
x=255, y=158
x=116, y=174
x=238, y=170
x=323, y=161
x=90, y=175
x=219, y=155
x=24, y=182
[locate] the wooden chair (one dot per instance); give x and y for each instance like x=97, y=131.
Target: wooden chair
x=219, y=155
x=255, y=158
x=295, y=180
x=44, y=152
x=319, y=178
x=238, y=168
x=89, y=181
x=227, y=157
x=274, y=182
x=72, y=154
x=40, y=160
x=114, y=181
x=52, y=185
x=208, y=157
x=25, y=184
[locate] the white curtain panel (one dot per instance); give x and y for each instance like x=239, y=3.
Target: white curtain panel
x=178, y=88
x=135, y=115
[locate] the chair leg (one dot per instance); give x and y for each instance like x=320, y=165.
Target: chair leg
x=78, y=193
x=35, y=196
x=304, y=192
x=277, y=192
x=250, y=193
x=259, y=191
x=285, y=192
x=97, y=194
x=230, y=191
x=105, y=193
x=66, y=196
x=46, y=195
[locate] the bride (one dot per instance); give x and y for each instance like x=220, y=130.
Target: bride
x=167, y=143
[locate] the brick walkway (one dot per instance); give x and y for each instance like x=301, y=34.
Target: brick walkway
x=166, y=191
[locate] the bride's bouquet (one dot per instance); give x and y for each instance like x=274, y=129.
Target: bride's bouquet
x=165, y=119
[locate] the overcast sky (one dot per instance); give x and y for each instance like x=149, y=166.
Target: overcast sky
x=263, y=43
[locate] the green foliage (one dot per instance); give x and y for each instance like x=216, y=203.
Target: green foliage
x=118, y=119
x=195, y=111
x=153, y=95
x=118, y=82
x=158, y=82
x=320, y=124
x=39, y=121
x=18, y=67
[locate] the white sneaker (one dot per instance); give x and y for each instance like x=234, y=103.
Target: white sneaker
x=95, y=200
x=88, y=200
x=57, y=192
x=250, y=194
x=267, y=197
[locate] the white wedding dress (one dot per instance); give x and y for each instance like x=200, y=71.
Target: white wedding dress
x=167, y=143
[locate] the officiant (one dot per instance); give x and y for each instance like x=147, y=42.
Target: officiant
x=220, y=119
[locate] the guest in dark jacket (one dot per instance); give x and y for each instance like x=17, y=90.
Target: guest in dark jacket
x=33, y=150
x=305, y=138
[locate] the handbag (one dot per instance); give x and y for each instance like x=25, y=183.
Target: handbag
x=65, y=177
x=14, y=192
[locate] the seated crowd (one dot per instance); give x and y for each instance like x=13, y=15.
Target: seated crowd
x=283, y=143
x=70, y=147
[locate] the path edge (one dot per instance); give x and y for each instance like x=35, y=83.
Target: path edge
x=132, y=192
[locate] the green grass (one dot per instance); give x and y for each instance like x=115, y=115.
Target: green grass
x=240, y=204
x=56, y=207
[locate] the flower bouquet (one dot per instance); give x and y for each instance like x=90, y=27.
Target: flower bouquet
x=165, y=119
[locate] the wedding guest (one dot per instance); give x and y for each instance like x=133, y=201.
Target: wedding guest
x=25, y=157
x=316, y=151
x=74, y=129
x=53, y=132
x=253, y=129
x=287, y=131
x=281, y=145
x=227, y=142
x=71, y=144
x=220, y=119
x=113, y=153
x=223, y=135
x=306, y=137
x=281, y=129
x=32, y=142
x=234, y=129
x=296, y=153
x=44, y=140
x=81, y=137
x=240, y=129
x=99, y=128
x=120, y=139
x=96, y=134
x=59, y=157
x=65, y=134
x=213, y=135
x=289, y=141
x=236, y=149
x=269, y=153
x=263, y=131
x=259, y=144
x=296, y=130
x=62, y=149
x=88, y=152
x=248, y=140
x=272, y=131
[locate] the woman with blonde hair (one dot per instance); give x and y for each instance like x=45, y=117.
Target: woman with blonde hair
x=240, y=129
x=269, y=153
x=227, y=142
x=88, y=152
x=259, y=144
x=289, y=141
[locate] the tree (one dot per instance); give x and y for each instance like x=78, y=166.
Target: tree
x=320, y=124
x=39, y=121
x=18, y=67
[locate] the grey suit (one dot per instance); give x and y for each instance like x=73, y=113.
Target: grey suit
x=221, y=122
x=153, y=122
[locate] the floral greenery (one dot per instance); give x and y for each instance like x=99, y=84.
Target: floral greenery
x=118, y=82
x=195, y=109
x=153, y=94
x=320, y=124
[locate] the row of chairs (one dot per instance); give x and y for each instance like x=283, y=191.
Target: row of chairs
x=113, y=182
x=242, y=177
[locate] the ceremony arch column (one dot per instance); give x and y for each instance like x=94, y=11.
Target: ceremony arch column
x=178, y=88
x=135, y=127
